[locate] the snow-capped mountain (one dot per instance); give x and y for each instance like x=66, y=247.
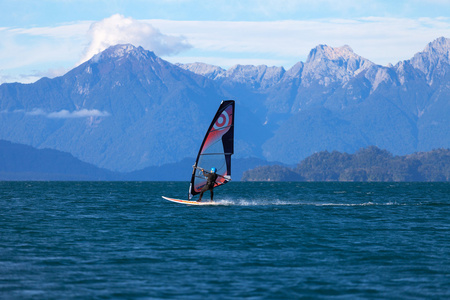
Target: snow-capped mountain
x=126, y=108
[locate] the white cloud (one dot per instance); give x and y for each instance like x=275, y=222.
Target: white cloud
x=34, y=112
x=120, y=30
x=83, y=113
x=26, y=54
x=65, y=114
x=382, y=40
x=74, y=30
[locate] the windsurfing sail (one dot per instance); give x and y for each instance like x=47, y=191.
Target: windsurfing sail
x=216, y=149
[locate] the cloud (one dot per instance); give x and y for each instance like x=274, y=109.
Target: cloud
x=65, y=114
x=382, y=40
x=26, y=54
x=120, y=30
x=83, y=113
x=50, y=73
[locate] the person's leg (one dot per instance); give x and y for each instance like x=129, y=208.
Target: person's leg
x=204, y=189
x=212, y=194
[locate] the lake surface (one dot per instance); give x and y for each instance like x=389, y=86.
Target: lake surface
x=121, y=240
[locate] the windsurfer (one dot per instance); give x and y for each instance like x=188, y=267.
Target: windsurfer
x=211, y=178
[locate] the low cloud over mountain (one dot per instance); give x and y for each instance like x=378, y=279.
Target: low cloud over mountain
x=118, y=30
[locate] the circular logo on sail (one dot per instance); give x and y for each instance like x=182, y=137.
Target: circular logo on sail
x=222, y=121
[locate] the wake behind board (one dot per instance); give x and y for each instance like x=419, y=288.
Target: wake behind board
x=192, y=202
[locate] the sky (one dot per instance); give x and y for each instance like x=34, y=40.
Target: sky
x=47, y=38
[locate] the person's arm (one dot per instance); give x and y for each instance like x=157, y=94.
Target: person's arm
x=205, y=173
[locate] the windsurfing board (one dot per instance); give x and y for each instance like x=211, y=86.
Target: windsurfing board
x=188, y=202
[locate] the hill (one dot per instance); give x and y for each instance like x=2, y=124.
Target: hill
x=22, y=162
x=369, y=164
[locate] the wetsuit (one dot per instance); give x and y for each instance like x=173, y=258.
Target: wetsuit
x=210, y=181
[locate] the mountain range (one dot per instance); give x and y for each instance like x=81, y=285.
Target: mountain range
x=127, y=109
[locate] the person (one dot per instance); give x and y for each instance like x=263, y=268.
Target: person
x=211, y=178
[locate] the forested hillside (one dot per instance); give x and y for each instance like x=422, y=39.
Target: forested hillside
x=368, y=164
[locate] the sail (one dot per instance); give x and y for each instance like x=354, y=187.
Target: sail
x=216, y=149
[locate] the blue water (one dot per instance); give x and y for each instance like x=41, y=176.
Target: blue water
x=121, y=240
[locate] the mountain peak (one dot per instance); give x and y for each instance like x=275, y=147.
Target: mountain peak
x=329, y=53
x=326, y=64
x=434, y=60
x=123, y=50
x=440, y=45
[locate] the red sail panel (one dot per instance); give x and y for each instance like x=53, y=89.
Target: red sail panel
x=216, y=149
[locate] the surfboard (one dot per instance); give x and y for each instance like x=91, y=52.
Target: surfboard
x=188, y=202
